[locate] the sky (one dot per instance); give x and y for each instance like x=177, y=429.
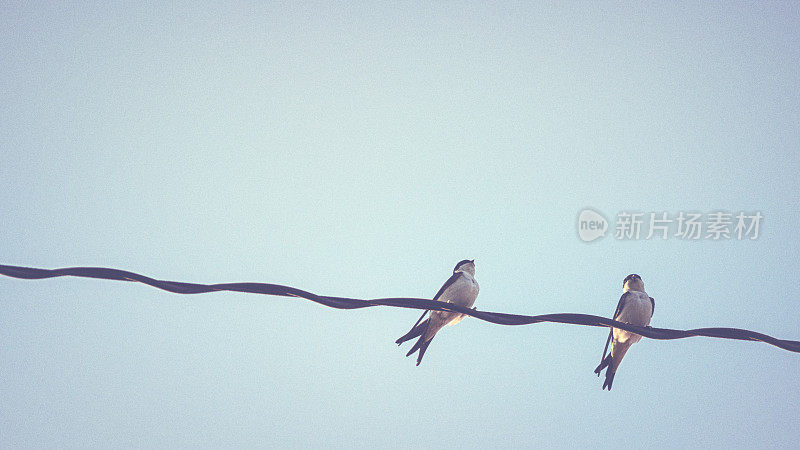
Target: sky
x=361, y=150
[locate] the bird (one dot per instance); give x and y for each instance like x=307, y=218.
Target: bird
x=636, y=308
x=460, y=289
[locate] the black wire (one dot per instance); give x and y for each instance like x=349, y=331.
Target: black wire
x=31, y=273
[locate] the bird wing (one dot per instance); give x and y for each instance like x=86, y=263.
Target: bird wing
x=653, y=303
x=621, y=304
x=620, y=307
x=447, y=284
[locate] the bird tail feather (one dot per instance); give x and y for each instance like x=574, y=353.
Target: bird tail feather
x=612, y=370
x=612, y=361
x=603, y=364
x=417, y=330
x=609, y=379
x=422, y=346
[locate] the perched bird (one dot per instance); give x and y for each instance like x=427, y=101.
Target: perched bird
x=636, y=308
x=460, y=289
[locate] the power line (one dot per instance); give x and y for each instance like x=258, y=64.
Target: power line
x=178, y=287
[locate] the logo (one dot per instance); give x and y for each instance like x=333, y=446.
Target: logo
x=591, y=225
x=690, y=226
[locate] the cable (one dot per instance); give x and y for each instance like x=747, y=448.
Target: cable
x=31, y=273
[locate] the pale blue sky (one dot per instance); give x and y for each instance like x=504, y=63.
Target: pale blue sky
x=362, y=150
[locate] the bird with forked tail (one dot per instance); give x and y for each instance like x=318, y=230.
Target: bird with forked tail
x=635, y=307
x=460, y=289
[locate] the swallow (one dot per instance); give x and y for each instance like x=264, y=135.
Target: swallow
x=460, y=289
x=636, y=308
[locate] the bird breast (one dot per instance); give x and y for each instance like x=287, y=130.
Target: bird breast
x=464, y=291
x=637, y=311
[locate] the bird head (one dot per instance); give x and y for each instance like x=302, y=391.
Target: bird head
x=465, y=265
x=633, y=282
